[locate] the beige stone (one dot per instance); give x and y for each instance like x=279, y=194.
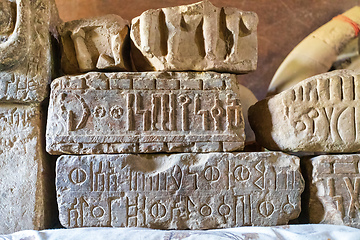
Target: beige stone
x=24, y=175
x=179, y=191
x=337, y=181
x=247, y=99
x=145, y=112
x=199, y=37
x=25, y=49
x=319, y=114
x=100, y=43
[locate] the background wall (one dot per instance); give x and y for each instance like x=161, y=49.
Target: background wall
x=283, y=24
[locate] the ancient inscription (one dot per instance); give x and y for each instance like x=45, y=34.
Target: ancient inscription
x=25, y=49
x=144, y=112
x=337, y=179
x=198, y=37
x=24, y=174
x=179, y=191
x=96, y=43
x=320, y=114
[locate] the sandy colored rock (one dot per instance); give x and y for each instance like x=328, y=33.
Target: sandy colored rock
x=319, y=114
x=199, y=37
x=100, y=43
x=179, y=191
x=145, y=112
x=24, y=175
x=336, y=179
x=247, y=99
x=25, y=49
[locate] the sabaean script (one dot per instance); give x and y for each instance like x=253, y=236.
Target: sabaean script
x=337, y=180
x=145, y=112
x=179, y=191
x=26, y=56
x=319, y=114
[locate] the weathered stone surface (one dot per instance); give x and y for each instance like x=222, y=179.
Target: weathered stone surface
x=198, y=37
x=179, y=191
x=25, y=49
x=100, y=43
x=247, y=99
x=145, y=112
x=337, y=181
x=319, y=114
x=24, y=174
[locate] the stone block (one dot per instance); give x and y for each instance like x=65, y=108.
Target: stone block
x=138, y=113
x=178, y=191
x=319, y=114
x=196, y=37
x=26, y=59
x=100, y=43
x=27, y=200
x=336, y=182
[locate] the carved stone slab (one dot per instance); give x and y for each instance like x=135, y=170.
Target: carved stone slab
x=145, y=112
x=198, y=37
x=24, y=176
x=319, y=114
x=100, y=43
x=337, y=180
x=179, y=191
x=25, y=49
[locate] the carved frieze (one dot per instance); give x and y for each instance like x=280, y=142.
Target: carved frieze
x=179, y=191
x=145, y=112
x=319, y=114
x=25, y=188
x=198, y=37
x=337, y=181
x=25, y=49
x=101, y=43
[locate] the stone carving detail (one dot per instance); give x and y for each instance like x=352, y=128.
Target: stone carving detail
x=320, y=114
x=144, y=112
x=95, y=44
x=24, y=175
x=7, y=19
x=337, y=180
x=25, y=49
x=179, y=191
x=199, y=37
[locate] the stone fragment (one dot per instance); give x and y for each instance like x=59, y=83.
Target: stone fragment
x=100, y=43
x=26, y=57
x=247, y=99
x=337, y=181
x=179, y=191
x=319, y=114
x=199, y=37
x=145, y=112
x=25, y=180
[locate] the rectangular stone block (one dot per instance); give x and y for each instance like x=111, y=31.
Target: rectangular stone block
x=26, y=58
x=25, y=178
x=336, y=182
x=149, y=116
x=179, y=191
x=195, y=37
x=94, y=44
x=319, y=114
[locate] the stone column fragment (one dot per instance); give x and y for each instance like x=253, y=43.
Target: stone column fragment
x=25, y=187
x=336, y=179
x=145, y=112
x=198, y=37
x=26, y=57
x=319, y=114
x=100, y=43
x=179, y=191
